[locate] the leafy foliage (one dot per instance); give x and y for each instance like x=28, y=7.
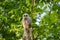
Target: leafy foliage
x=48, y=27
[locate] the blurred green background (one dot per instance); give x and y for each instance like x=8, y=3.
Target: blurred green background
x=45, y=15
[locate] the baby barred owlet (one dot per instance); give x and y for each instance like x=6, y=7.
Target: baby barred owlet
x=26, y=22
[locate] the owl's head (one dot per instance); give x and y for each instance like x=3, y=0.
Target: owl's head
x=25, y=16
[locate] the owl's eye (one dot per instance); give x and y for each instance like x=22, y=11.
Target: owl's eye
x=25, y=15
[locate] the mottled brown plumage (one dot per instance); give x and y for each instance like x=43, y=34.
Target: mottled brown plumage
x=26, y=21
